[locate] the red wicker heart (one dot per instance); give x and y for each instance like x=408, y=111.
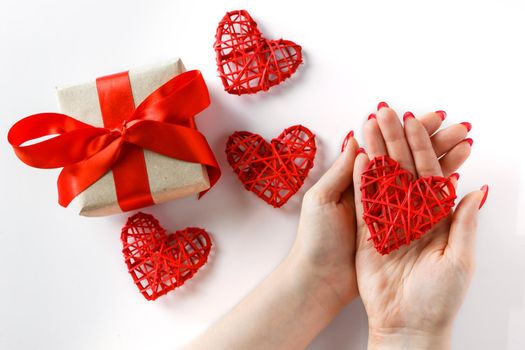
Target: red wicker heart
x=248, y=62
x=159, y=262
x=398, y=209
x=274, y=171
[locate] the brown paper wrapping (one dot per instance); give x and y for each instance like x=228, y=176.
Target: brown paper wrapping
x=168, y=178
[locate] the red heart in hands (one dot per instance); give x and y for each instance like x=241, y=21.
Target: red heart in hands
x=159, y=262
x=398, y=209
x=248, y=62
x=274, y=171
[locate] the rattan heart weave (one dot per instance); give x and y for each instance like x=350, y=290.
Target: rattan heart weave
x=274, y=171
x=248, y=62
x=159, y=262
x=398, y=208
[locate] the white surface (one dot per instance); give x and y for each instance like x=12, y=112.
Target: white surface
x=63, y=281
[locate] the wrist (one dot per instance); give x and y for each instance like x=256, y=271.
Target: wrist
x=307, y=283
x=408, y=338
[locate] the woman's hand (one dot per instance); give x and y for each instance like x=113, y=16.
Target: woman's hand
x=324, y=249
x=412, y=295
x=317, y=278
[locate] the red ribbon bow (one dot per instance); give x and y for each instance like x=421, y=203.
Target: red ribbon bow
x=162, y=123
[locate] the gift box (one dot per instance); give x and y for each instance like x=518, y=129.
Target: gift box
x=125, y=141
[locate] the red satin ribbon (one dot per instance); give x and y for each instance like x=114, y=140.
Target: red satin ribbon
x=163, y=123
x=130, y=173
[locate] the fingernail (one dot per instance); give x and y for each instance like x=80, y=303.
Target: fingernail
x=381, y=105
x=372, y=116
x=470, y=141
x=345, y=142
x=455, y=176
x=484, y=188
x=442, y=114
x=467, y=125
x=407, y=115
x=361, y=150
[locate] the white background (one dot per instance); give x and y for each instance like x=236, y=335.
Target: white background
x=63, y=282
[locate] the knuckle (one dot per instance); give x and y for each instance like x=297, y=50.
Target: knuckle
x=469, y=226
x=310, y=194
x=316, y=195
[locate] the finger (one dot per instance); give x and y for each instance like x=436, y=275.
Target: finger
x=451, y=161
x=454, y=177
x=373, y=138
x=338, y=178
x=394, y=136
x=361, y=162
x=425, y=159
x=444, y=140
x=432, y=121
x=462, y=237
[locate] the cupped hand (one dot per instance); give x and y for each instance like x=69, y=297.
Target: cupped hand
x=412, y=295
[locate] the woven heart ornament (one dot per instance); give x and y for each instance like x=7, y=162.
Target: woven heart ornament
x=274, y=171
x=159, y=262
x=248, y=62
x=398, y=208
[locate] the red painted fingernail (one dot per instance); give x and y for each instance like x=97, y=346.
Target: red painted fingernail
x=442, y=114
x=467, y=125
x=381, y=105
x=361, y=150
x=407, y=115
x=345, y=142
x=470, y=141
x=484, y=188
x=372, y=116
x=455, y=176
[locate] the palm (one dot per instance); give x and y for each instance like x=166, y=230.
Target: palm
x=405, y=287
x=327, y=239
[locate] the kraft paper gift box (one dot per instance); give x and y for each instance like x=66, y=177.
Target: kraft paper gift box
x=168, y=178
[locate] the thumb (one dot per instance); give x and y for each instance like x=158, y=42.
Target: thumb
x=462, y=237
x=339, y=177
x=360, y=165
